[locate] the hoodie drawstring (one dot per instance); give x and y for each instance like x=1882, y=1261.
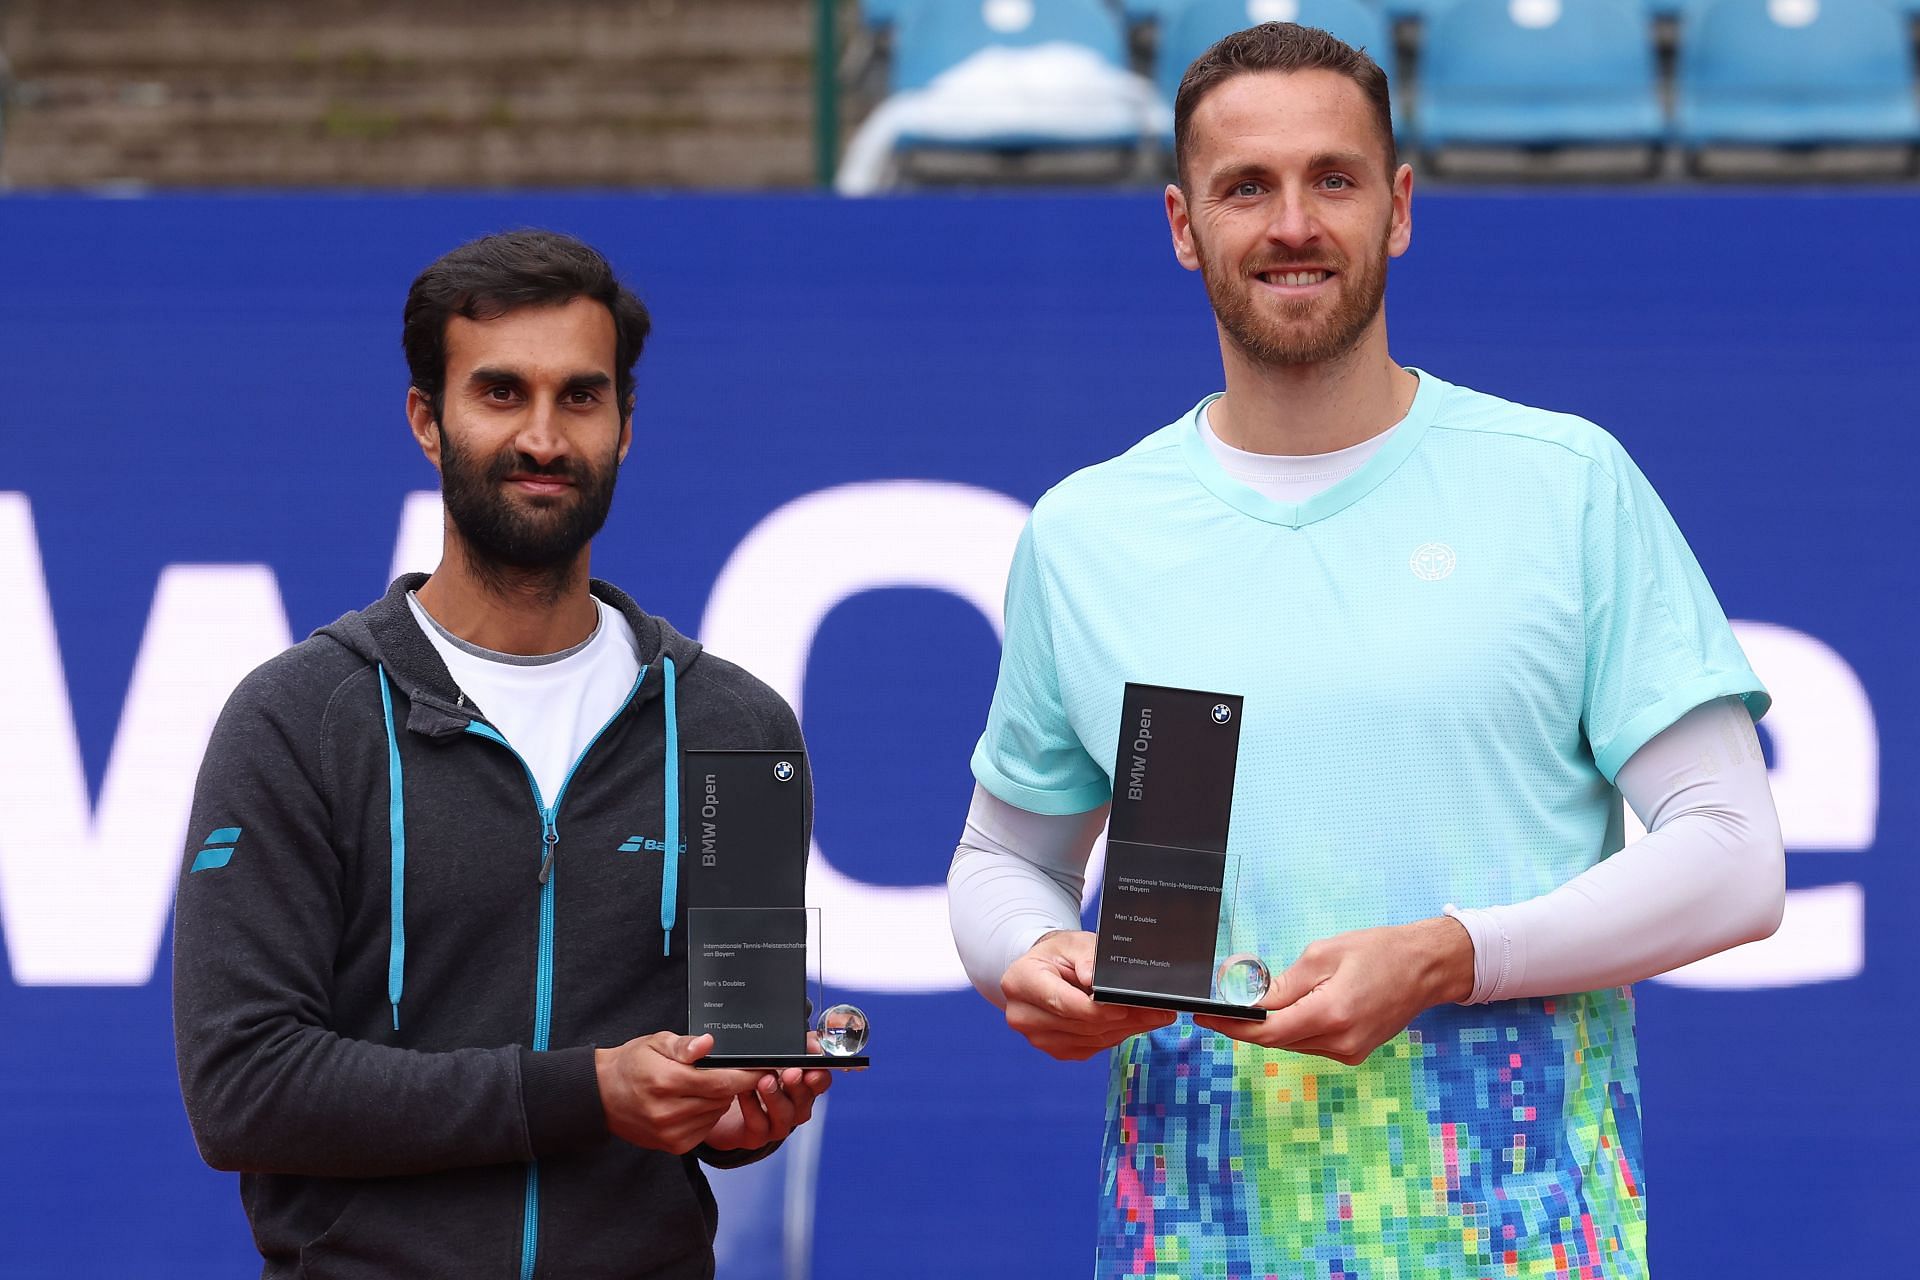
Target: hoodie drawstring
x=670, y=857
x=397, y=838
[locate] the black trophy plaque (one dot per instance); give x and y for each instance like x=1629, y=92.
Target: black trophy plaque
x=748, y=945
x=1166, y=881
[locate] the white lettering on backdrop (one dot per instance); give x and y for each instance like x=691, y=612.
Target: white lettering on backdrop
x=85, y=888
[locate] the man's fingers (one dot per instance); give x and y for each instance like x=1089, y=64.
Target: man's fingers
x=1260, y=1033
x=722, y=1083
x=1065, y=958
x=1291, y=1026
x=1130, y=1019
x=1134, y=1015
x=756, y=1126
x=1283, y=1027
x=1042, y=989
x=1078, y=951
x=1105, y=1025
x=802, y=1105
x=1067, y=1001
x=1048, y=1001
x=689, y=1049
x=780, y=1107
x=813, y=1083
x=1028, y=1019
x=1301, y=978
x=1042, y=981
x=1056, y=996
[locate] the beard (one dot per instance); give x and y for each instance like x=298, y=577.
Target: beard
x=534, y=543
x=1306, y=331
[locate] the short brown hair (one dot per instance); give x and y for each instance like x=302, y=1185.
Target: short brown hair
x=1278, y=46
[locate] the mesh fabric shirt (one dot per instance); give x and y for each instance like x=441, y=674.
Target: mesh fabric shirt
x=1445, y=658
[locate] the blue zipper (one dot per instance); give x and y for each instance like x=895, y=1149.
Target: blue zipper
x=543, y=966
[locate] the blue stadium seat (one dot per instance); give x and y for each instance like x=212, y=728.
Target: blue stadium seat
x=1694, y=10
x=1162, y=12
x=934, y=35
x=1416, y=10
x=1538, y=73
x=1205, y=21
x=884, y=13
x=1786, y=72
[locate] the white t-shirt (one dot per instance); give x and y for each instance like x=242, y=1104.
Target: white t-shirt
x=549, y=706
x=1289, y=477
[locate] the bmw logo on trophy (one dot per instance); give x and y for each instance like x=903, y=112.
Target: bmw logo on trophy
x=753, y=945
x=1167, y=900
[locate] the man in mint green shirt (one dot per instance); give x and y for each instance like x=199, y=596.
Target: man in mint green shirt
x=1462, y=629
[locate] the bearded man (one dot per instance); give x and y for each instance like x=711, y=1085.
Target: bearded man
x=424, y=1000
x=1462, y=628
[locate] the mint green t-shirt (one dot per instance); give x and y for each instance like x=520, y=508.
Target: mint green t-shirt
x=1445, y=659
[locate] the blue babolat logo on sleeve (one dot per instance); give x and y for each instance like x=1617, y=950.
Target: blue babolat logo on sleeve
x=217, y=850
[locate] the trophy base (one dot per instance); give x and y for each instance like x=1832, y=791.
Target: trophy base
x=1179, y=1004
x=781, y=1061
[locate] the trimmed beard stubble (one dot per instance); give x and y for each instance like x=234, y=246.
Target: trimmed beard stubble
x=1271, y=344
x=511, y=549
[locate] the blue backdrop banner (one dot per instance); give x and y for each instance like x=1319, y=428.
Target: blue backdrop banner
x=844, y=415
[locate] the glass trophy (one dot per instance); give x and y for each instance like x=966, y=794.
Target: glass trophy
x=753, y=945
x=1167, y=935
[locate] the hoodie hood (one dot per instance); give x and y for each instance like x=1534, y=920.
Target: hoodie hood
x=387, y=636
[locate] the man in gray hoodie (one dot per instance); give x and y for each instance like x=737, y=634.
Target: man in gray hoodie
x=428, y=984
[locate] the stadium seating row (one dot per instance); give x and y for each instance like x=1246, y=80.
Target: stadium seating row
x=882, y=14
x=1520, y=73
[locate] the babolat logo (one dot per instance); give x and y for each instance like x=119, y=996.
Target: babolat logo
x=634, y=844
x=216, y=850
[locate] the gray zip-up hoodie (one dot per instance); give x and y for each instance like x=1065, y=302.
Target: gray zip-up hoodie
x=393, y=961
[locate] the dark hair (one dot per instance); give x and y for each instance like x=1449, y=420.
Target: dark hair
x=488, y=277
x=1278, y=46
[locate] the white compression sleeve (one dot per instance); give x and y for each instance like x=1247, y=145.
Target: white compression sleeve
x=1710, y=873
x=1015, y=876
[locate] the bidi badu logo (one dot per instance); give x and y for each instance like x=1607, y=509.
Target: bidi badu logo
x=1431, y=561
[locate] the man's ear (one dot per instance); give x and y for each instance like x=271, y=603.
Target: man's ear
x=1180, y=226
x=1400, y=232
x=423, y=424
